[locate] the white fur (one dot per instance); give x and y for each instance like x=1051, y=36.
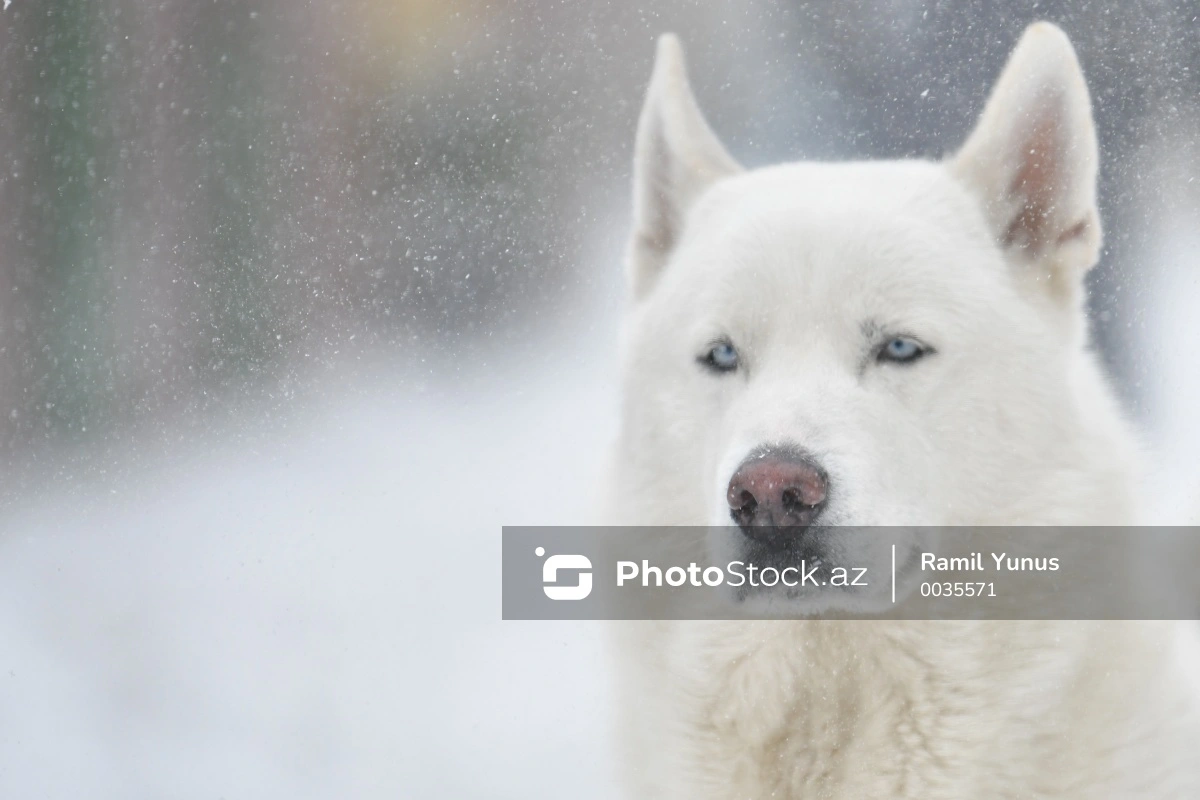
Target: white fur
x=1010, y=422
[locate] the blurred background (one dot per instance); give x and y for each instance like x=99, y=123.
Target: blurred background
x=297, y=299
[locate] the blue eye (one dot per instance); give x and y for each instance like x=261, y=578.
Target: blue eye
x=723, y=357
x=902, y=350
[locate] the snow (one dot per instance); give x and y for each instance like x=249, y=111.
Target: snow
x=315, y=613
x=315, y=617
x=1173, y=391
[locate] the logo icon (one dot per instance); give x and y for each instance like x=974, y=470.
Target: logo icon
x=550, y=569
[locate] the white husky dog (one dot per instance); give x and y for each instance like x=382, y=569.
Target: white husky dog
x=883, y=343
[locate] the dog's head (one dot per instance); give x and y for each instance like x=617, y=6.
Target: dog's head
x=880, y=343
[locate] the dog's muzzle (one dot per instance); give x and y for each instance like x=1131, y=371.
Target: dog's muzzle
x=776, y=494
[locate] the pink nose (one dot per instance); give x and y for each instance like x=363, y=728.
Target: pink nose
x=776, y=494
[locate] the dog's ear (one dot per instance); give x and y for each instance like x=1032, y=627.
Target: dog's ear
x=1031, y=160
x=676, y=157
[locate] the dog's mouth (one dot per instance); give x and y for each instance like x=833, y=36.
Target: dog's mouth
x=795, y=569
x=821, y=569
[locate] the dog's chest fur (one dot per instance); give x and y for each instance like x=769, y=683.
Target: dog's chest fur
x=901, y=710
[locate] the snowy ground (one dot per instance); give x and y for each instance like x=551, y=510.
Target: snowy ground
x=318, y=617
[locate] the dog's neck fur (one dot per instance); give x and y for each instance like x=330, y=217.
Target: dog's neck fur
x=887, y=709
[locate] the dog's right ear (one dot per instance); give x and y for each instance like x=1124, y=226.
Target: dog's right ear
x=677, y=156
x=1032, y=160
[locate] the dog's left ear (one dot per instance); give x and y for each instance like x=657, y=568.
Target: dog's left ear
x=676, y=157
x=1031, y=160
